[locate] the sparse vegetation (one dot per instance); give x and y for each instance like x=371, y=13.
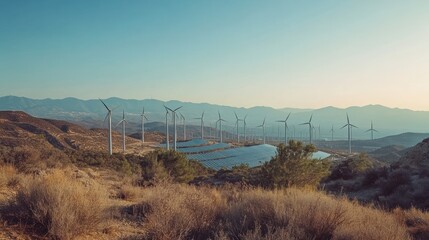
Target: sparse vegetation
x=58, y=206
x=293, y=166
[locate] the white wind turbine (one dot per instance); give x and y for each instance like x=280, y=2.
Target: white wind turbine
x=184, y=126
x=202, y=125
x=143, y=118
x=174, y=122
x=332, y=132
x=349, y=132
x=237, y=126
x=109, y=117
x=286, y=127
x=220, y=120
x=244, y=126
x=263, y=130
x=166, y=129
x=372, y=130
x=310, y=128
x=123, y=121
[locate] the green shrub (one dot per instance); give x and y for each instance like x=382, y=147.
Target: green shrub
x=293, y=166
x=351, y=167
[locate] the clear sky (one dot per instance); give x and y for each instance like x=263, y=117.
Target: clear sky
x=246, y=53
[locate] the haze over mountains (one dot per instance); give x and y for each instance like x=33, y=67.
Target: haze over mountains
x=387, y=121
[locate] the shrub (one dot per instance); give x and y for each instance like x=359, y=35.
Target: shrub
x=59, y=206
x=162, y=165
x=293, y=166
x=395, y=179
x=351, y=167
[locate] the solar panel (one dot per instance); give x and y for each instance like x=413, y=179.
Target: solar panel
x=205, y=148
x=253, y=156
x=190, y=143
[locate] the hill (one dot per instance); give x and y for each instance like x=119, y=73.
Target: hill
x=388, y=121
x=19, y=129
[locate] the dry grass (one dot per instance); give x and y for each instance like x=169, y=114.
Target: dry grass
x=60, y=206
x=186, y=212
x=8, y=176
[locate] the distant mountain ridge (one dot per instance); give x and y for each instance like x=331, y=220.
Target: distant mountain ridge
x=388, y=121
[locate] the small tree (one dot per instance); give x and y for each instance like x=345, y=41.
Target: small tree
x=293, y=166
x=165, y=164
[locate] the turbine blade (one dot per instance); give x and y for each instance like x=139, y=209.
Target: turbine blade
x=146, y=118
x=344, y=126
x=287, y=117
x=104, y=104
x=177, y=108
x=107, y=115
x=310, y=118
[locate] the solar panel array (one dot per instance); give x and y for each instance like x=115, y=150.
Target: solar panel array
x=252, y=156
x=223, y=155
x=190, y=143
x=206, y=148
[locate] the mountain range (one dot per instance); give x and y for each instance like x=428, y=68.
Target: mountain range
x=388, y=121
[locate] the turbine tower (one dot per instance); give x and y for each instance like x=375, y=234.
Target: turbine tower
x=309, y=127
x=123, y=121
x=220, y=120
x=286, y=127
x=175, y=126
x=244, y=126
x=166, y=129
x=109, y=117
x=143, y=118
x=332, y=132
x=263, y=130
x=236, y=124
x=202, y=125
x=184, y=126
x=372, y=130
x=349, y=132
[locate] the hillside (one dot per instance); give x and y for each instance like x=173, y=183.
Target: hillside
x=18, y=129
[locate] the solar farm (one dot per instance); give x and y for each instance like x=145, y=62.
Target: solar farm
x=224, y=155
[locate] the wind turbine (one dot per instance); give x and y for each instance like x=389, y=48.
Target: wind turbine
x=236, y=125
x=175, y=126
x=202, y=125
x=286, y=127
x=244, y=125
x=109, y=117
x=332, y=132
x=263, y=130
x=143, y=118
x=372, y=130
x=309, y=127
x=220, y=120
x=166, y=129
x=349, y=132
x=123, y=121
x=184, y=126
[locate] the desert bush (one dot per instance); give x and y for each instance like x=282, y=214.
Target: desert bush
x=186, y=212
x=180, y=212
x=395, y=179
x=59, y=206
x=8, y=176
x=129, y=193
x=351, y=167
x=170, y=164
x=373, y=175
x=293, y=166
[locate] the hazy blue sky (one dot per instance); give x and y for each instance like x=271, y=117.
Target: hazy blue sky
x=240, y=53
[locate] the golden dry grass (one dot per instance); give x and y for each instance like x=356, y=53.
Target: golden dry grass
x=60, y=206
x=186, y=212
